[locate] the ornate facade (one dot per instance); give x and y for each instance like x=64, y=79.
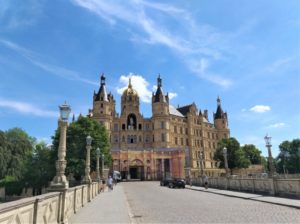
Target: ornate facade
x=167, y=144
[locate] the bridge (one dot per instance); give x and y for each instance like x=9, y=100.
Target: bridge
x=144, y=202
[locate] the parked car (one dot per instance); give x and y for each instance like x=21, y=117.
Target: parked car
x=177, y=182
x=165, y=181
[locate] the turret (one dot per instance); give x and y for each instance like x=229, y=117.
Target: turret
x=103, y=105
x=160, y=102
x=220, y=117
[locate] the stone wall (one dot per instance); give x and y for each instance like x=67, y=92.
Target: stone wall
x=270, y=186
x=54, y=207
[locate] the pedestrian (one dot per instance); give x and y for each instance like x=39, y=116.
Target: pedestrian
x=110, y=183
x=205, y=180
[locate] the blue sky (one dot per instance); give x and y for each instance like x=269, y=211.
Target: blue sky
x=246, y=52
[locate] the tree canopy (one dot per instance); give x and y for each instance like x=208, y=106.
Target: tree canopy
x=76, y=145
x=289, y=157
x=237, y=156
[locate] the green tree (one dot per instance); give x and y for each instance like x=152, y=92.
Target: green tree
x=4, y=155
x=252, y=153
x=76, y=145
x=40, y=169
x=235, y=155
x=289, y=157
x=19, y=146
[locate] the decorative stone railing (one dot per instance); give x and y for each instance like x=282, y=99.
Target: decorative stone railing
x=54, y=207
x=270, y=186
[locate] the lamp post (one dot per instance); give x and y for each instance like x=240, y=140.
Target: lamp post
x=270, y=159
x=225, y=160
x=201, y=163
x=60, y=181
x=87, y=178
x=97, y=166
x=102, y=166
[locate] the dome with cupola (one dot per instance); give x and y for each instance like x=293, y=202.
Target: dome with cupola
x=130, y=91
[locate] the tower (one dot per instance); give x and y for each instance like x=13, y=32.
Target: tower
x=160, y=116
x=221, y=121
x=103, y=105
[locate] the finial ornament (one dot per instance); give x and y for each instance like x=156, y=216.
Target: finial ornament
x=129, y=85
x=219, y=101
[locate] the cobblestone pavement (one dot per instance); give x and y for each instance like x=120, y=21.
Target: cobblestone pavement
x=151, y=203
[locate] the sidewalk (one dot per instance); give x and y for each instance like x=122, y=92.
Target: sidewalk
x=108, y=207
x=294, y=203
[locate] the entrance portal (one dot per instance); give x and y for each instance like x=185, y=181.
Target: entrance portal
x=136, y=172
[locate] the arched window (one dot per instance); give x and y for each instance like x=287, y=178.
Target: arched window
x=131, y=122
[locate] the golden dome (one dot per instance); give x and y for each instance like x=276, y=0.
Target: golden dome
x=130, y=91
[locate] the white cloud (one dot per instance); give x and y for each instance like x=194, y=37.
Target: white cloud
x=279, y=64
x=27, y=108
x=172, y=95
x=260, y=108
x=139, y=84
x=277, y=125
x=196, y=45
x=52, y=69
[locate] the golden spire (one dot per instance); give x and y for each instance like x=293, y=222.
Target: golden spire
x=129, y=85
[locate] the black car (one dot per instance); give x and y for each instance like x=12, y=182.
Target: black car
x=166, y=181
x=177, y=182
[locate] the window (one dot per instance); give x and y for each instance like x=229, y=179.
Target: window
x=181, y=140
x=116, y=138
x=175, y=129
x=147, y=139
x=140, y=138
x=187, y=142
x=123, y=126
x=131, y=139
x=186, y=131
x=176, y=141
x=101, y=98
x=180, y=130
x=123, y=138
x=116, y=127
x=163, y=137
x=140, y=126
x=162, y=125
x=101, y=105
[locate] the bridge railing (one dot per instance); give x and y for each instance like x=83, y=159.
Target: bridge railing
x=54, y=207
x=272, y=186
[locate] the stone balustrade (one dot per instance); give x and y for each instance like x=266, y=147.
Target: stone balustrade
x=54, y=207
x=270, y=186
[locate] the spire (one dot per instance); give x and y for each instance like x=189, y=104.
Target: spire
x=129, y=84
x=218, y=101
x=159, y=81
x=219, y=113
x=159, y=95
x=101, y=95
x=102, y=78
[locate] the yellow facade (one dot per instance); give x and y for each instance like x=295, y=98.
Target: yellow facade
x=167, y=144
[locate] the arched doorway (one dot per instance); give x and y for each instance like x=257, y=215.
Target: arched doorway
x=136, y=170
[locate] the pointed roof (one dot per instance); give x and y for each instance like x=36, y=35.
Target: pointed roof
x=159, y=92
x=102, y=90
x=219, y=112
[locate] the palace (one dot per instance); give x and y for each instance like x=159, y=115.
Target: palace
x=177, y=142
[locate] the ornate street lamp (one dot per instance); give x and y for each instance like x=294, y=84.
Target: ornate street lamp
x=225, y=161
x=97, y=166
x=102, y=166
x=201, y=163
x=270, y=159
x=60, y=181
x=87, y=178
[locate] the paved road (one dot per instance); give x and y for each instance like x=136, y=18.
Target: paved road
x=147, y=202
x=154, y=204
